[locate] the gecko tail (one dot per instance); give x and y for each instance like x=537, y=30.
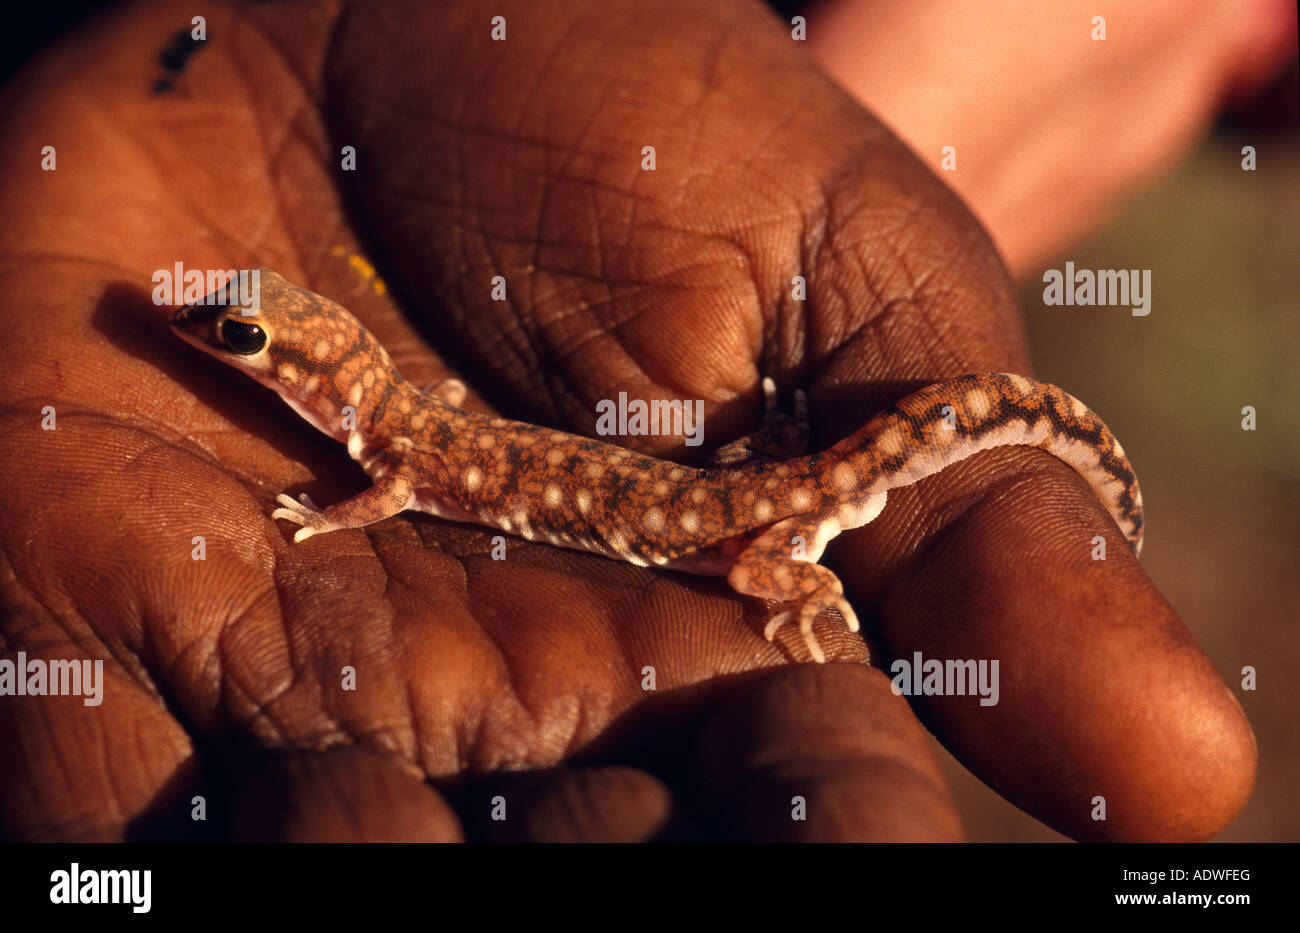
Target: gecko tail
x=942, y=424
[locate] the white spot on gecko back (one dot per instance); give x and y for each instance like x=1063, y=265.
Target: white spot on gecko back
x=843, y=477
x=890, y=441
x=1020, y=383
x=653, y=519
x=552, y=496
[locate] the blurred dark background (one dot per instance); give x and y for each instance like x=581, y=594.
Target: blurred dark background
x=34, y=25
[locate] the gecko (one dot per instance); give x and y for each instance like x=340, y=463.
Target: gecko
x=761, y=514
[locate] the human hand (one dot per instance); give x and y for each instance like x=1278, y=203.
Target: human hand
x=1050, y=126
x=524, y=677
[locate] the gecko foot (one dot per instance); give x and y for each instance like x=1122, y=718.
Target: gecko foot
x=303, y=511
x=806, y=612
x=801, y=589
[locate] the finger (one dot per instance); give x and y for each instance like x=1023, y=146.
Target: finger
x=1156, y=82
x=570, y=804
x=616, y=277
x=338, y=795
x=1103, y=694
x=94, y=574
x=823, y=754
x=66, y=776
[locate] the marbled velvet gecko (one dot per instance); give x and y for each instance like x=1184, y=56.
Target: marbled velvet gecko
x=762, y=523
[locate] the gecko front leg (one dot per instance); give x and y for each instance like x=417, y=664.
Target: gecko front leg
x=389, y=495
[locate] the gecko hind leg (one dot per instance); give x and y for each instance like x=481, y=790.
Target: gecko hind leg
x=768, y=569
x=782, y=437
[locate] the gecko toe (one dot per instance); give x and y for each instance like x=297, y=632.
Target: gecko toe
x=850, y=617
x=807, y=613
x=301, y=510
x=806, y=616
x=297, y=516
x=775, y=623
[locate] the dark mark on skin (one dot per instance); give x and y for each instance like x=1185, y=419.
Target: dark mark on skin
x=174, y=57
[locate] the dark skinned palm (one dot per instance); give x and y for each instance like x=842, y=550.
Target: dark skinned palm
x=523, y=678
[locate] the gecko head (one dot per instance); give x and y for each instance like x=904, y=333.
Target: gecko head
x=308, y=349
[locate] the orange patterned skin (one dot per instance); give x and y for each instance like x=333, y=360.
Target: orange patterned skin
x=760, y=522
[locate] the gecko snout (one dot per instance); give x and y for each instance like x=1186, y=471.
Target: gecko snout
x=198, y=323
x=219, y=327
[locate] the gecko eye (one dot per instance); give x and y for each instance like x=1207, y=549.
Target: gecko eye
x=242, y=337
